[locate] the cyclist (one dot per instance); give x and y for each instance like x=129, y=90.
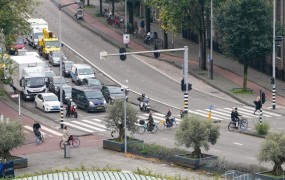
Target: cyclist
x=36, y=128
x=167, y=117
x=150, y=122
x=235, y=116
x=66, y=135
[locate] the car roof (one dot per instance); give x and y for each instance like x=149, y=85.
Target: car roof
x=82, y=65
x=68, y=62
x=86, y=88
x=49, y=72
x=47, y=94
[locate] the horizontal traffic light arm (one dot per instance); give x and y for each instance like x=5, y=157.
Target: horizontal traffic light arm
x=105, y=54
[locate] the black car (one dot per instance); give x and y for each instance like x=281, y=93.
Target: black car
x=55, y=82
x=66, y=67
x=49, y=74
x=66, y=93
x=111, y=92
x=92, y=82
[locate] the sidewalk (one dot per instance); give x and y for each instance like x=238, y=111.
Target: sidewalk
x=228, y=74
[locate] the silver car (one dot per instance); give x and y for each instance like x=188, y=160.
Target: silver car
x=54, y=57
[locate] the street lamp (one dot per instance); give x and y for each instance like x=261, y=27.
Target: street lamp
x=125, y=115
x=19, y=99
x=211, y=52
x=273, y=56
x=60, y=51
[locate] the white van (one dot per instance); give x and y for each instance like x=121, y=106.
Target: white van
x=80, y=71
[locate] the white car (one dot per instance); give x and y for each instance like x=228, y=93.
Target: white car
x=47, y=102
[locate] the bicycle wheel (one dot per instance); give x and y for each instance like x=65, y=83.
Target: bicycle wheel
x=232, y=126
x=174, y=125
x=141, y=129
x=42, y=139
x=243, y=124
x=75, y=142
x=61, y=144
x=160, y=125
x=154, y=129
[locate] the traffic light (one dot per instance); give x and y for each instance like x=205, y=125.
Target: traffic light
x=263, y=97
x=183, y=86
x=122, y=57
x=156, y=54
x=272, y=80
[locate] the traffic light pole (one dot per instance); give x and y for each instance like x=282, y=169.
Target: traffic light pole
x=185, y=65
x=260, y=111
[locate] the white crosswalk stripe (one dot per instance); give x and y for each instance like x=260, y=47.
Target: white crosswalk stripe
x=44, y=130
x=93, y=124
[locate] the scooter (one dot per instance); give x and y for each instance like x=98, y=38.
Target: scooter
x=79, y=14
x=72, y=111
x=144, y=104
x=150, y=37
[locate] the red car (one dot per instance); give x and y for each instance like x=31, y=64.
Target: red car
x=19, y=44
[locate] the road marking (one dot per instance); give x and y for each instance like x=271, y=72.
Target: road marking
x=90, y=122
x=51, y=131
x=238, y=144
x=250, y=157
x=31, y=129
x=88, y=126
x=78, y=127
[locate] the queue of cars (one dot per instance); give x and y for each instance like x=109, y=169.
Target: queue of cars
x=89, y=93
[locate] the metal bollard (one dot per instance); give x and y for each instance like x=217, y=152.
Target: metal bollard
x=66, y=151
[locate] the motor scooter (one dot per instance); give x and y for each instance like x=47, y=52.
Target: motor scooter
x=72, y=111
x=144, y=104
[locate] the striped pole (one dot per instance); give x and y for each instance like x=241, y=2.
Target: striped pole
x=185, y=102
x=260, y=116
x=61, y=116
x=273, y=94
x=185, y=70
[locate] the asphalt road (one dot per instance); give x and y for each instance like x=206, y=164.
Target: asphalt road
x=234, y=147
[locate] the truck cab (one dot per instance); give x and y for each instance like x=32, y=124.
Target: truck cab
x=48, y=44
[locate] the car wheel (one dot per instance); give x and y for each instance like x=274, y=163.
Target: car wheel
x=86, y=109
x=44, y=109
x=36, y=106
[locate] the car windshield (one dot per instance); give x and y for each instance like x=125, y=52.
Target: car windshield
x=93, y=94
x=55, y=54
x=52, y=44
x=50, y=98
x=50, y=73
x=115, y=90
x=20, y=41
x=84, y=71
x=94, y=82
x=57, y=80
x=37, y=35
x=66, y=89
x=35, y=82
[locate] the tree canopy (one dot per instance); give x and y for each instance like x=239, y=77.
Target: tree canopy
x=273, y=150
x=11, y=136
x=197, y=132
x=245, y=29
x=12, y=17
x=116, y=117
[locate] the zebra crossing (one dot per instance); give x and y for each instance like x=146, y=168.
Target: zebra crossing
x=92, y=124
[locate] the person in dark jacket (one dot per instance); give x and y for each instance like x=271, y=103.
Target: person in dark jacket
x=258, y=104
x=150, y=121
x=167, y=117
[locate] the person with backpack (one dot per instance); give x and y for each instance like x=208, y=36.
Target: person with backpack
x=257, y=104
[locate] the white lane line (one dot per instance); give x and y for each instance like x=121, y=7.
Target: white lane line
x=31, y=129
x=250, y=157
x=78, y=127
x=98, y=120
x=88, y=126
x=213, y=114
x=238, y=144
x=93, y=123
x=51, y=131
x=257, y=112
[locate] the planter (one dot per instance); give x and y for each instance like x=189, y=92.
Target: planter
x=194, y=163
x=267, y=176
x=20, y=162
x=114, y=145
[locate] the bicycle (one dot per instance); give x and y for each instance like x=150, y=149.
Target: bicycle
x=242, y=125
x=143, y=127
x=162, y=124
x=39, y=136
x=75, y=142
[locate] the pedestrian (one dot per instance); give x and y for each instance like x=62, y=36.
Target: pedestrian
x=258, y=104
x=142, y=24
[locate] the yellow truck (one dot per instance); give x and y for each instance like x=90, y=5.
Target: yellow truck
x=48, y=44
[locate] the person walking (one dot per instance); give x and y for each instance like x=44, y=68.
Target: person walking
x=258, y=104
x=142, y=24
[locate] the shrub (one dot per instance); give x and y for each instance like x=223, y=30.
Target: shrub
x=263, y=128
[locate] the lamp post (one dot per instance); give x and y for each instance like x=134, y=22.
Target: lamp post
x=60, y=58
x=273, y=56
x=125, y=115
x=211, y=51
x=19, y=99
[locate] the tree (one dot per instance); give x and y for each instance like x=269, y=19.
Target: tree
x=273, y=149
x=245, y=28
x=197, y=132
x=6, y=68
x=12, y=17
x=192, y=13
x=11, y=136
x=116, y=117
